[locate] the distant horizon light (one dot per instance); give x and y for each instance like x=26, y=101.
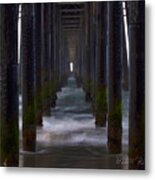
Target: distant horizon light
x=71, y=66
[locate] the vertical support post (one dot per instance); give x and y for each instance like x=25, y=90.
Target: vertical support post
x=60, y=41
x=93, y=29
x=46, y=58
x=55, y=53
x=86, y=53
x=81, y=61
x=136, y=19
x=9, y=130
x=56, y=45
x=38, y=67
x=28, y=88
x=114, y=77
x=53, y=75
x=101, y=90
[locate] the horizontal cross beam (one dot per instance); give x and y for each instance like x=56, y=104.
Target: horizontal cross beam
x=71, y=10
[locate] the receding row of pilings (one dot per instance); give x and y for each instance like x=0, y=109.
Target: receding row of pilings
x=42, y=72
x=100, y=66
x=44, y=67
x=102, y=69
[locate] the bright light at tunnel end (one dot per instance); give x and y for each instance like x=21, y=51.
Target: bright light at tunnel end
x=71, y=66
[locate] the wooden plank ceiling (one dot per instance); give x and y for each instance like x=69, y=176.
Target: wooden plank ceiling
x=71, y=15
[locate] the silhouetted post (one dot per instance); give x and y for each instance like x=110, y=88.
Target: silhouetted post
x=78, y=64
x=136, y=19
x=85, y=47
x=92, y=27
x=53, y=75
x=61, y=78
x=55, y=53
x=82, y=48
x=56, y=45
x=58, y=35
x=86, y=61
x=101, y=90
x=63, y=58
x=38, y=66
x=65, y=63
x=9, y=131
x=28, y=89
x=46, y=75
x=114, y=49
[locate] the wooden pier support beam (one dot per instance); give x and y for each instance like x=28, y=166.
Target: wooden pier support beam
x=86, y=52
x=28, y=88
x=64, y=59
x=101, y=89
x=38, y=65
x=136, y=20
x=56, y=25
x=114, y=16
x=93, y=48
x=9, y=131
x=53, y=75
x=46, y=57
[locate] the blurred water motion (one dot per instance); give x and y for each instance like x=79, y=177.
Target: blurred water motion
x=69, y=138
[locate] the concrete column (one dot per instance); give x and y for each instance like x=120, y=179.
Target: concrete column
x=9, y=131
x=136, y=19
x=28, y=88
x=114, y=49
